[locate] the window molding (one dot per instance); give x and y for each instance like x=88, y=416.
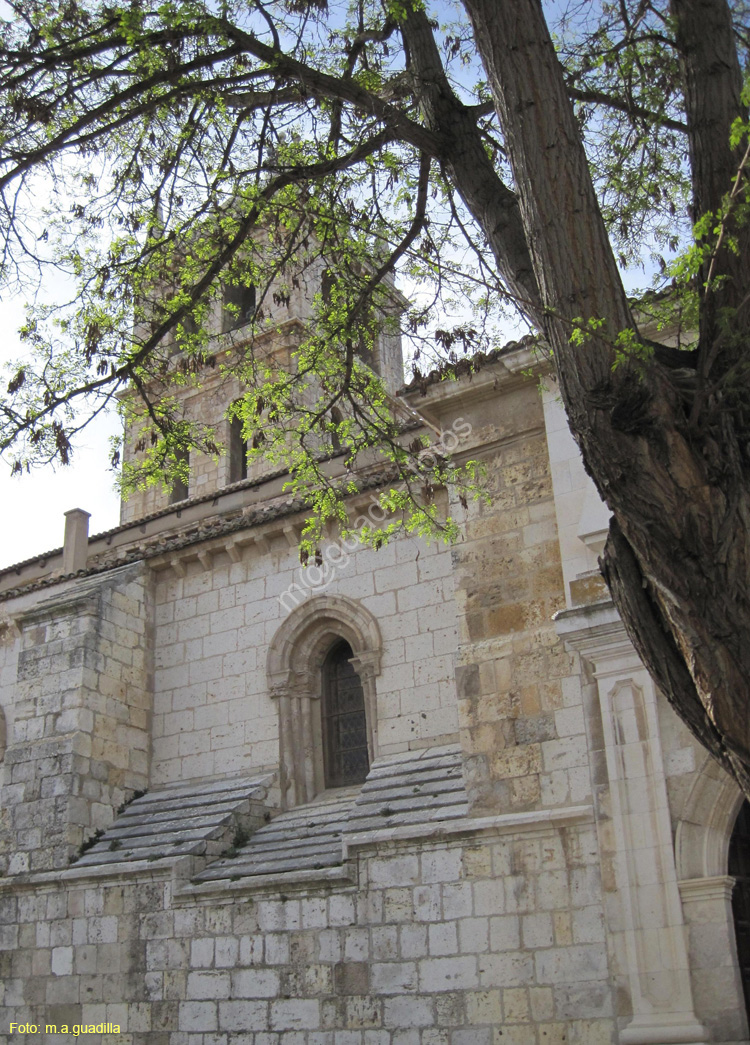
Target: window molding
x=294, y=670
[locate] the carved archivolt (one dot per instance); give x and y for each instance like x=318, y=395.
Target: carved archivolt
x=706, y=824
x=294, y=669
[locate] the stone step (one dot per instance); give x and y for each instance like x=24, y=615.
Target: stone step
x=197, y=819
x=411, y=788
x=207, y=812
x=300, y=861
x=421, y=816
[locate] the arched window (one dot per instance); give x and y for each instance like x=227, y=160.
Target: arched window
x=237, y=452
x=179, y=491
x=344, y=721
x=739, y=869
x=322, y=665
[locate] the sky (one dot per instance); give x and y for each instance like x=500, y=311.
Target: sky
x=32, y=506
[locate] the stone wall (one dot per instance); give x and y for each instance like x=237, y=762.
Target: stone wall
x=213, y=711
x=81, y=727
x=560, y=910
x=491, y=940
x=519, y=693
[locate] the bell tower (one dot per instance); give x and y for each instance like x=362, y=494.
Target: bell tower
x=268, y=325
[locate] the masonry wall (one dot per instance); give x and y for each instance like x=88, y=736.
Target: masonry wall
x=81, y=716
x=495, y=940
x=213, y=712
x=519, y=691
x=206, y=404
x=514, y=931
x=286, y=307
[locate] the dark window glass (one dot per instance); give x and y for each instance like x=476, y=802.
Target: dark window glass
x=337, y=419
x=326, y=286
x=344, y=723
x=179, y=491
x=237, y=452
x=739, y=868
x=189, y=324
x=366, y=354
x=242, y=299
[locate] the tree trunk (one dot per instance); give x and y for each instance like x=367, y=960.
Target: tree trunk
x=713, y=83
x=678, y=489
x=657, y=649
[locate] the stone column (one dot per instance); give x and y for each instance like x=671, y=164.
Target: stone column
x=300, y=761
x=367, y=665
x=707, y=904
x=650, y=924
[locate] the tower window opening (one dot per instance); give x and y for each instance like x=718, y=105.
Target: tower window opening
x=237, y=452
x=179, y=491
x=336, y=418
x=326, y=286
x=241, y=298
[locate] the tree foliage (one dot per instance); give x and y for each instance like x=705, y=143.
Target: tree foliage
x=152, y=128
x=187, y=147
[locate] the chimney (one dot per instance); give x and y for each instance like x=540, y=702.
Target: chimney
x=76, y=545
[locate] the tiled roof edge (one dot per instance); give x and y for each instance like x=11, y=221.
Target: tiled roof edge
x=467, y=366
x=189, y=502
x=177, y=543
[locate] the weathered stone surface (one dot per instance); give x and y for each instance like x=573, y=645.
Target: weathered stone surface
x=176, y=821
x=536, y=856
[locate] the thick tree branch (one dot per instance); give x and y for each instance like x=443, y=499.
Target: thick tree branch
x=125, y=371
x=713, y=84
x=323, y=85
x=469, y=166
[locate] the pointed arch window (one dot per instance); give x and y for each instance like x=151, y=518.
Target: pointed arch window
x=344, y=720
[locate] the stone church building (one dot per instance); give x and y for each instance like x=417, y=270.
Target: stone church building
x=426, y=795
